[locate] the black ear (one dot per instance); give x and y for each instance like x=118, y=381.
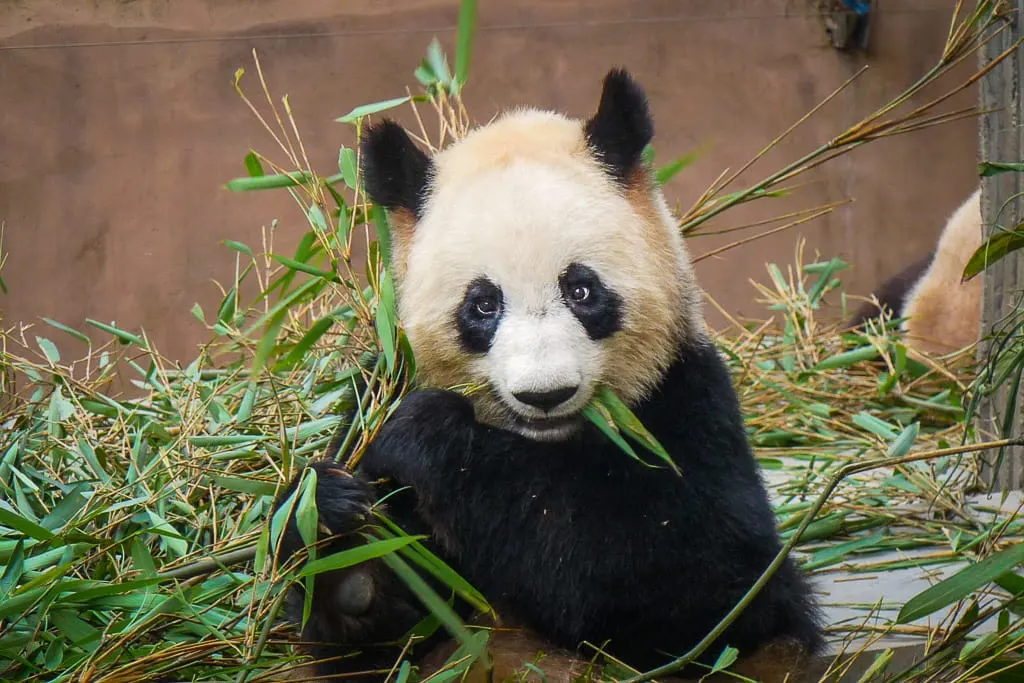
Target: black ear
x=395, y=170
x=622, y=126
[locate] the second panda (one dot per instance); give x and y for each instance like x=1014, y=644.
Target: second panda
x=940, y=313
x=537, y=258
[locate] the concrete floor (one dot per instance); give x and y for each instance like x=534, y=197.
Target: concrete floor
x=847, y=598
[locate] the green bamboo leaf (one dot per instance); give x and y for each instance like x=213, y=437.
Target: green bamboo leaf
x=825, y=280
x=625, y=420
x=268, y=182
x=238, y=246
x=464, y=42
x=25, y=526
x=319, y=221
x=900, y=446
x=599, y=416
x=253, y=165
x=142, y=559
x=218, y=440
x=874, y=425
x=49, y=350
x=122, y=336
x=726, y=659
x=367, y=109
x=76, y=630
x=357, y=555
x=833, y=554
x=267, y=343
x=13, y=570
x=670, y=170
x=249, y=487
x=172, y=539
x=348, y=166
x=960, y=585
x=438, y=607
x=997, y=247
x=421, y=555
x=303, y=346
x=877, y=667
x=306, y=518
x=383, y=226
x=386, y=321
x=279, y=520
x=64, y=328
x=305, y=268
x=847, y=358
x=991, y=168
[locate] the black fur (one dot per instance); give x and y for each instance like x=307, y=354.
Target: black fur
x=601, y=313
x=576, y=539
x=892, y=295
x=476, y=328
x=395, y=171
x=622, y=126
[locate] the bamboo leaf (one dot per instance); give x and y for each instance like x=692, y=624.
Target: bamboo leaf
x=13, y=570
x=625, y=420
x=726, y=659
x=348, y=166
x=847, y=358
x=49, y=350
x=960, y=585
x=598, y=414
x=997, y=247
x=253, y=165
x=122, y=336
x=239, y=247
x=464, y=42
x=305, y=268
x=438, y=607
x=877, y=667
x=367, y=109
x=70, y=330
x=357, y=555
x=991, y=168
x=268, y=182
x=670, y=170
x=900, y=446
x=25, y=526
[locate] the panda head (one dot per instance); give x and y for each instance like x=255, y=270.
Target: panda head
x=537, y=258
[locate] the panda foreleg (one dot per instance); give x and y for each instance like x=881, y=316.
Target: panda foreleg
x=425, y=445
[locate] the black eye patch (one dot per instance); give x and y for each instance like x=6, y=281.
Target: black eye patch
x=478, y=315
x=597, y=307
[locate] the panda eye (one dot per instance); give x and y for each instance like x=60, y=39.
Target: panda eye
x=579, y=293
x=486, y=307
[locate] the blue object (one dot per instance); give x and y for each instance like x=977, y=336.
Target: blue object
x=860, y=7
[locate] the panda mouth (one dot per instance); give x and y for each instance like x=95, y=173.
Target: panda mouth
x=547, y=428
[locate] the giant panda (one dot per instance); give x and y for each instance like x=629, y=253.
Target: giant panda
x=940, y=313
x=537, y=258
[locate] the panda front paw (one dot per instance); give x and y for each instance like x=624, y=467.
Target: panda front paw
x=343, y=503
x=343, y=500
x=419, y=435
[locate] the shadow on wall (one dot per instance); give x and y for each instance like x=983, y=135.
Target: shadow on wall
x=122, y=126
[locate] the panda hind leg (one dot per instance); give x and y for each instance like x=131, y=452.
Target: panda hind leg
x=358, y=613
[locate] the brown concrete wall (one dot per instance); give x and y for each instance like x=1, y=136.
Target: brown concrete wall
x=119, y=125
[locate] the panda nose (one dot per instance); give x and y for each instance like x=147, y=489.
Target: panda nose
x=546, y=400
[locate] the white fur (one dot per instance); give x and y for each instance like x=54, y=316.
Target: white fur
x=941, y=313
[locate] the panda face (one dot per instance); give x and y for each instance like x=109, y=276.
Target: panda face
x=537, y=260
x=540, y=347
x=537, y=279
